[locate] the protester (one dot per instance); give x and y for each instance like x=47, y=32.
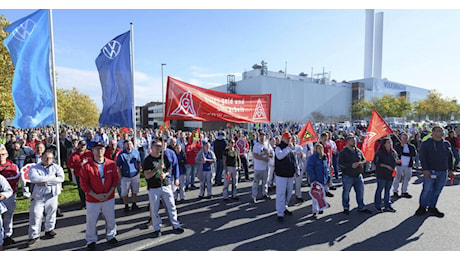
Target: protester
x=158, y=174
x=219, y=147
x=76, y=160
x=5, y=192
x=261, y=153
x=385, y=160
x=98, y=179
x=319, y=171
x=406, y=154
x=10, y=171
x=351, y=162
x=285, y=169
x=46, y=178
x=232, y=164
x=129, y=165
x=205, y=158
x=243, y=147
x=112, y=153
x=436, y=159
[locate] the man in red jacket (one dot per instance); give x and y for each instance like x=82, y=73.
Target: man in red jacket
x=76, y=160
x=10, y=171
x=98, y=179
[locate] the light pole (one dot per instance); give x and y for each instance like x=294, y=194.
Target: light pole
x=162, y=90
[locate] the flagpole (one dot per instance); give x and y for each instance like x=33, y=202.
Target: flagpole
x=53, y=78
x=132, y=79
x=164, y=112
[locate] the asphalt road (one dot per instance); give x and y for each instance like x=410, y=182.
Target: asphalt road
x=212, y=224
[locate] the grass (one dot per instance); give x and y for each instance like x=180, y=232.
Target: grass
x=68, y=195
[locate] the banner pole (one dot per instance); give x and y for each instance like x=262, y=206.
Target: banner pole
x=53, y=79
x=131, y=43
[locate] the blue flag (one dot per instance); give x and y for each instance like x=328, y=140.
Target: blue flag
x=114, y=66
x=29, y=48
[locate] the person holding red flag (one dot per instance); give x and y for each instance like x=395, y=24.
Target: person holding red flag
x=385, y=160
x=351, y=162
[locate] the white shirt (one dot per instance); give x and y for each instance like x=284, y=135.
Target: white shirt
x=405, y=159
x=261, y=150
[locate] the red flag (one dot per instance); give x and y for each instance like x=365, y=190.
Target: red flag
x=307, y=134
x=124, y=130
x=188, y=102
x=195, y=138
x=377, y=129
x=229, y=125
x=165, y=126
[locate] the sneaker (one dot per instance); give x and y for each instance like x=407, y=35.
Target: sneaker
x=253, y=201
x=320, y=212
x=332, y=188
x=126, y=208
x=346, y=212
x=91, y=246
x=134, y=206
x=8, y=241
x=200, y=197
x=32, y=241
x=390, y=209
x=287, y=212
x=395, y=195
x=420, y=211
x=365, y=211
x=406, y=195
x=280, y=219
x=435, y=212
x=59, y=214
x=113, y=241
x=328, y=194
x=208, y=197
x=156, y=233
x=178, y=230
x=50, y=234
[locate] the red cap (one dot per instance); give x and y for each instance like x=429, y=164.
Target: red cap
x=286, y=135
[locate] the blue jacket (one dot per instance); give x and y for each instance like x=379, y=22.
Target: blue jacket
x=318, y=169
x=172, y=158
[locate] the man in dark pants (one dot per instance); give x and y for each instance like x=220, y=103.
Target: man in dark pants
x=76, y=160
x=219, y=147
x=436, y=159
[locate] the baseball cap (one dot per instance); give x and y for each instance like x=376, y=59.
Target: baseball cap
x=82, y=142
x=286, y=135
x=99, y=144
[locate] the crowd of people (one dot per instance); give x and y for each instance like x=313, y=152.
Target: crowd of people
x=106, y=161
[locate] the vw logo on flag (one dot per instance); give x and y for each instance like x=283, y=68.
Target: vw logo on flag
x=24, y=30
x=112, y=49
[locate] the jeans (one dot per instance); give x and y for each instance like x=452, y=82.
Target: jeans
x=190, y=170
x=432, y=188
x=456, y=156
x=219, y=169
x=244, y=162
x=358, y=185
x=335, y=162
x=383, y=184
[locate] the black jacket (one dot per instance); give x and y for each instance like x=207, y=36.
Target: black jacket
x=287, y=166
x=219, y=148
x=388, y=158
x=346, y=159
x=412, y=152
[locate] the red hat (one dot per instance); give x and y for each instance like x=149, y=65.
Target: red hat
x=286, y=135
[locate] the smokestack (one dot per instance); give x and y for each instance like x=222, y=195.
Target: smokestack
x=378, y=45
x=368, y=43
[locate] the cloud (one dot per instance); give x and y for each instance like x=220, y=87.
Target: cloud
x=146, y=88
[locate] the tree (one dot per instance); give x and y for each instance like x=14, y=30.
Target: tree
x=77, y=109
x=360, y=110
x=390, y=106
x=436, y=107
x=6, y=76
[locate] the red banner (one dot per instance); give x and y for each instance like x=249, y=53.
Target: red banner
x=377, y=129
x=307, y=134
x=188, y=102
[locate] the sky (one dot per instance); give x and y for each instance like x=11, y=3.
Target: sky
x=204, y=43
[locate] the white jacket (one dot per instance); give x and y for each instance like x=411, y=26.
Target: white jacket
x=53, y=179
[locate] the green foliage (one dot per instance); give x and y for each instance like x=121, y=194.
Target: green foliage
x=77, y=109
x=6, y=76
